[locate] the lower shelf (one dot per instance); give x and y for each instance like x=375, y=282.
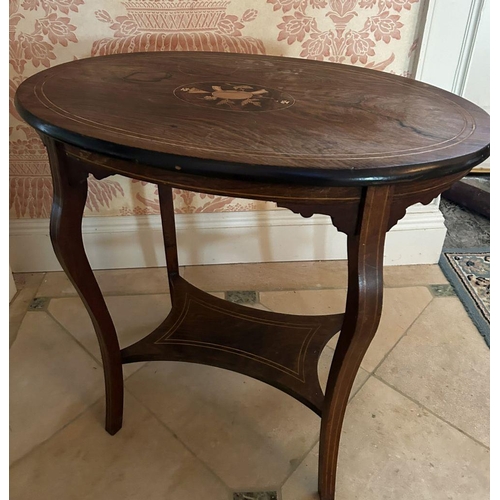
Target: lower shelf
x=280, y=349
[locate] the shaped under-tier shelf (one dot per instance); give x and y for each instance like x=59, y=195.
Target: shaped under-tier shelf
x=280, y=349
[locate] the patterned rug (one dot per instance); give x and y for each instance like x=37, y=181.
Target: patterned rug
x=468, y=271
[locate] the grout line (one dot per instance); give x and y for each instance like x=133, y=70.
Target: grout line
x=425, y=285
x=405, y=333
x=144, y=364
x=39, y=285
x=278, y=488
x=262, y=305
x=117, y=294
x=373, y=372
x=13, y=335
x=378, y=377
x=301, y=289
x=18, y=291
x=304, y=456
x=360, y=387
x=418, y=403
x=220, y=290
x=98, y=361
x=299, y=463
x=174, y=434
x=38, y=445
x=353, y=395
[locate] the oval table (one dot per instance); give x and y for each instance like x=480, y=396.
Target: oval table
x=317, y=138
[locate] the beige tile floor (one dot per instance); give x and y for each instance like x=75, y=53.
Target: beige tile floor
x=416, y=426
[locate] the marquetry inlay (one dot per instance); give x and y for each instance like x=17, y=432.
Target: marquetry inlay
x=234, y=96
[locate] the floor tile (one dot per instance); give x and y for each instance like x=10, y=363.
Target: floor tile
x=443, y=363
x=27, y=285
x=392, y=449
x=112, y=282
x=52, y=380
x=250, y=434
x=142, y=461
x=134, y=317
x=56, y=284
x=24, y=280
x=401, y=307
x=305, y=301
x=325, y=362
x=269, y=276
x=303, y=483
x=422, y=274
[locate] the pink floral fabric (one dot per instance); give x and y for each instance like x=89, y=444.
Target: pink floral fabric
x=379, y=34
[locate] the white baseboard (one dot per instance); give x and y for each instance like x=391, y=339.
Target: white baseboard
x=223, y=238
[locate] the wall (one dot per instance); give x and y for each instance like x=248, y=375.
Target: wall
x=455, y=52
x=476, y=85
x=379, y=34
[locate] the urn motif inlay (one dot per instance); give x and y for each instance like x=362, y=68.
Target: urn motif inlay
x=232, y=96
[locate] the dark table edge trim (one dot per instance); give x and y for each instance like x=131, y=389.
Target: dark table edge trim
x=256, y=172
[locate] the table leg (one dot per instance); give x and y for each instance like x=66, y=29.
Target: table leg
x=169, y=234
x=363, y=310
x=70, y=194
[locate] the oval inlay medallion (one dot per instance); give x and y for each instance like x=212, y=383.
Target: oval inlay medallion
x=230, y=96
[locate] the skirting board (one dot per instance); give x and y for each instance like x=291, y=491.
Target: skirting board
x=223, y=238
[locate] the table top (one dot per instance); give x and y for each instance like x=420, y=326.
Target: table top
x=257, y=117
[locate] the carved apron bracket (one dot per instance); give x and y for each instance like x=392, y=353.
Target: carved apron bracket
x=344, y=215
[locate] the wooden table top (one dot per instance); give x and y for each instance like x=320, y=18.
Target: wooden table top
x=257, y=117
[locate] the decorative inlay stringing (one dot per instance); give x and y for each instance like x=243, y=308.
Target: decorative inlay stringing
x=293, y=366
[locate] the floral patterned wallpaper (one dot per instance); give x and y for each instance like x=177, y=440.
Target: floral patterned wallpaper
x=378, y=34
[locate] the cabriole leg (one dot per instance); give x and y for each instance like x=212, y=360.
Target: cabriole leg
x=70, y=194
x=169, y=235
x=363, y=310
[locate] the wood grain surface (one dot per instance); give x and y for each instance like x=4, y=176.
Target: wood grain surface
x=257, y=117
